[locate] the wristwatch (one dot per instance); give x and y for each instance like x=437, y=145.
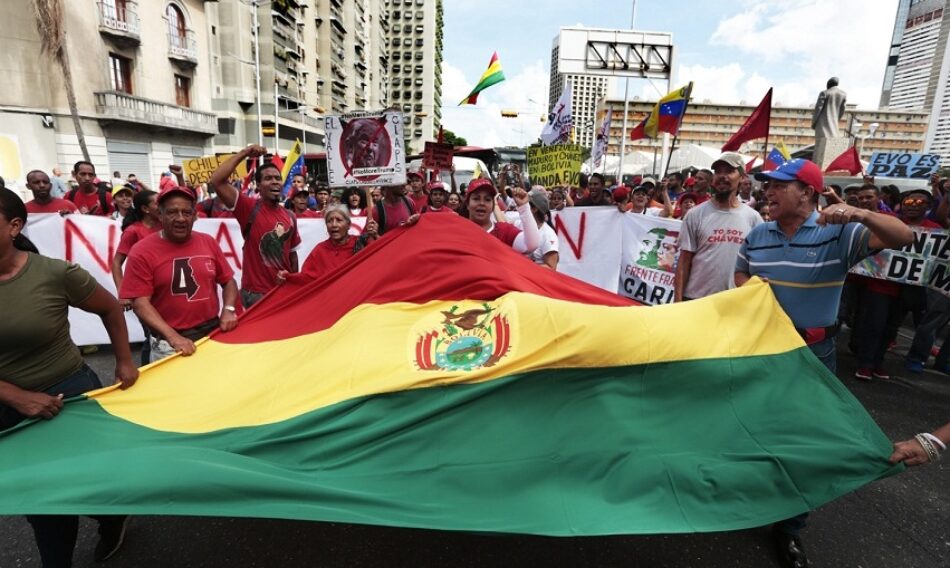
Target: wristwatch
x=231, y=309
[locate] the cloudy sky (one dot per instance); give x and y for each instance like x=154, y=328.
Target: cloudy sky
x=733, y=50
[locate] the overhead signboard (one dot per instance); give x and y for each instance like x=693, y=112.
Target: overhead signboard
x=615, y=53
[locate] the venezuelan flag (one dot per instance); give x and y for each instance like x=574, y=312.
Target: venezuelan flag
x=473, y=391
x=492, y=76
x=293, y=166
x=778, y=156
x=666, y=116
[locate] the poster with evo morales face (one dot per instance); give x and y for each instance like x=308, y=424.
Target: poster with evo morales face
x=365, y=148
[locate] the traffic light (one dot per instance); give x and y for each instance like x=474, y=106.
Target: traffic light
x=268, y=128
x=509, y=113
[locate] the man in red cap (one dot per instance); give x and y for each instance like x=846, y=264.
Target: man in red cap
x=270, y=230
x=172, y=279
x=300, y=201
x=416, y=190
x=805, y=256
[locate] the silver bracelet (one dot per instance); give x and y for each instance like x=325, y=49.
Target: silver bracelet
x=928, y=447
x=935, y=440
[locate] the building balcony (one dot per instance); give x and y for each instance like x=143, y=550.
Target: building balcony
x=113, y=106
x=183, y=49
x=121, y=23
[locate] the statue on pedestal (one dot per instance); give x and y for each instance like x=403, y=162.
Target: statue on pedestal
x=828, y=110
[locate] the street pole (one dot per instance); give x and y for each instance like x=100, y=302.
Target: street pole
x=276, y=120
x=257, y=71
x=626, y=107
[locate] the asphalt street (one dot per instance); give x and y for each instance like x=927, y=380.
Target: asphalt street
x=902, y=521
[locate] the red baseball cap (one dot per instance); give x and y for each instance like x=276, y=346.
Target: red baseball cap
x=621, y=193
x=295, y=191
x=172, y=190
x=480, y=183
x=799, y=169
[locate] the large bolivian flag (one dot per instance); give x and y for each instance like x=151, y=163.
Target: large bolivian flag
x=440, y=380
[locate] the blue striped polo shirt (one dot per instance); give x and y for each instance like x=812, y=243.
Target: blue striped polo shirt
x=807, y=271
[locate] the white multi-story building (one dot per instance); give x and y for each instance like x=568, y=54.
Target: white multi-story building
x=586, y=91
x=142, y=85
x=922, y=70
x=415, y=67
x=896, y=38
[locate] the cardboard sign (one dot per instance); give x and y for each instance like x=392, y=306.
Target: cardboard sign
x=555, y=165
x=365, y=148
x=437, y=156
x=903, y=165
x=198, y=170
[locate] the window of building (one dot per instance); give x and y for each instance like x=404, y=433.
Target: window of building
x=115, y=9
x=177, y=31
x=419, y=42
x=182, y=90
x=121, y=71
x=396, y=94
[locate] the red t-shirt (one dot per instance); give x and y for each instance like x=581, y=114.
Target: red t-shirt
x=505, y=232
x=54, y=206
x=442, y=209
x=180, y=279
x=310, y=214
x=133, y=234
x=396, y=213
x=268, y=245
x=91, y=202
x=326, y=257
x=420, y=201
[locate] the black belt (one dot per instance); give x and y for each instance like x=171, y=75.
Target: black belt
x=813, y=335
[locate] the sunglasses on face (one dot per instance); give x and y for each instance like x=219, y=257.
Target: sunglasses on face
x=912, y=202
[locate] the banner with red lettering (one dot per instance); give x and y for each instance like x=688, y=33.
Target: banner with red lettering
x=631, y=255
x=91, y=242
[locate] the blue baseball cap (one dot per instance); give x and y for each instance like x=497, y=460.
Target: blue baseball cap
x=798, y=169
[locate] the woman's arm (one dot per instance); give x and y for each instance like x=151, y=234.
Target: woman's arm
x=104, y=305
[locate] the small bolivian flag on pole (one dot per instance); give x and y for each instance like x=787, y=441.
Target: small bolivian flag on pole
x=493, y=75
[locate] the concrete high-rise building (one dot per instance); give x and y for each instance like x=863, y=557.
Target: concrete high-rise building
x=899, y=24
x=586, y=91
x=922, y=70
x=142, y=81
x=289, y=72
x=415, y=70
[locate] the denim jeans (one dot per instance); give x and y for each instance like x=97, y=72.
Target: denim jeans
x=249, y=298
x=827, y=352
x=56, y=534
x=936, y=317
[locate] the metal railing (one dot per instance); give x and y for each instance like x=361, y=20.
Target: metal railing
x=129, y=108
x=119, y=17
x=183, y=46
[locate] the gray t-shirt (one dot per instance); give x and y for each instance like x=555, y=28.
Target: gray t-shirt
x=714, y=236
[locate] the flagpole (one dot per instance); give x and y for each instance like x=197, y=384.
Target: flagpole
x=626, y=107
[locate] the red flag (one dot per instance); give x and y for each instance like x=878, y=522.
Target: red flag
x=277, y=161
x=756, y=126
x=246, y=183
x=848, y=161
x=748, y=167
x=638, y=133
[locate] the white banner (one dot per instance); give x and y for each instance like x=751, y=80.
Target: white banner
x=91, y=241
x=365, y=148
x=630, y=255
x=557, y=130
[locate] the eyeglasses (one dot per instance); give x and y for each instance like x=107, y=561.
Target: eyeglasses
x=911, y=202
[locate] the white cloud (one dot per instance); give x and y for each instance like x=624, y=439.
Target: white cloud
x=808, y=41
x=482, y=124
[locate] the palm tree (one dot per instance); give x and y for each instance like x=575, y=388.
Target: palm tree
x=51, y=26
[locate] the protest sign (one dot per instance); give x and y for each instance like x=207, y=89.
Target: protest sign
x=555, y=165
x=903, y=165
x=648, y=265
x=365, y=148
x=437, y=156
x=921, y=263
x=91, y=241
x=198, y=170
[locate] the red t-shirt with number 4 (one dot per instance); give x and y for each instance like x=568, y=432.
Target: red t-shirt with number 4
x=180, y=279
x=268, y=245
